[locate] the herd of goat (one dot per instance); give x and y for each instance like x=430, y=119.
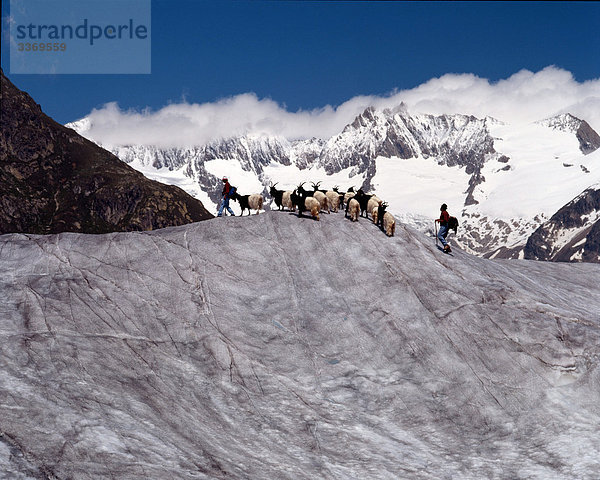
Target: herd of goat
x=317, y=200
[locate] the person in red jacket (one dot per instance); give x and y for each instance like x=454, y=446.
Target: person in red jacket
x=225, y=195
x=443, y=231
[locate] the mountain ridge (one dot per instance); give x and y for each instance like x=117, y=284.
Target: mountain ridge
x=55, y=180
x=589, y=140
x=392, y=151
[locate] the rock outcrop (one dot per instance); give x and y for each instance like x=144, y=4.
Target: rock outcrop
x=53, y=180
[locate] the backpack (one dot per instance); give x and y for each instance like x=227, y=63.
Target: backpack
x=453, y=224
x=232, y=191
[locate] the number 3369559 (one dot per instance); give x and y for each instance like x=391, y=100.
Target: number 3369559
x=41, y=47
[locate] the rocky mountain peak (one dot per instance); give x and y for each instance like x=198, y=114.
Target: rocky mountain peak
x=564, y=122
x=366, y=118
x=589, y=140
x=399, y=109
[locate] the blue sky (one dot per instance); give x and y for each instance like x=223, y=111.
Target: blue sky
x=305, y=55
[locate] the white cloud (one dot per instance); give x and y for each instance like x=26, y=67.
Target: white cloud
x=524, y=97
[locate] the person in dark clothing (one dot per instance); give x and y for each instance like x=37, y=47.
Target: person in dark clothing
x=443, y=231
x=225, y=195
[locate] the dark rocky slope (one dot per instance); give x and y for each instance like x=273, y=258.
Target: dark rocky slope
x=589, y=140
x=53, y=180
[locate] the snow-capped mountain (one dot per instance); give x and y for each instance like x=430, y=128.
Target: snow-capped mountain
x=589, y=140
x=502, y=180
x=453, y=140
x=573, y=233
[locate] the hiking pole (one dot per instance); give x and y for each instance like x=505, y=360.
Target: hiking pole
x=435, y=227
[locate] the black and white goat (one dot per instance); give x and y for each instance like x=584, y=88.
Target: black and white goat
x=347, y=196
x=363, y=200
x=378, y=212
x=277, y=195
x=281, y=197
x=341, y=195
x=373, y=203
x=321, y=197
x=249, y=202
x=304, y=201
x=384, y=220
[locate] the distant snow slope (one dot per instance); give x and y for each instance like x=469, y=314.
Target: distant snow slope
x=502, y=181
x=545, y=171
x=280, y=347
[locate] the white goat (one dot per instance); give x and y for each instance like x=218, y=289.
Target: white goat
x=334, y=200
x=312, y=204
x=322, y=199
x=348, y=196
x=374, y=212
x=286, y=201
x=373, y=202
x=389, y=224
x=353, y=209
